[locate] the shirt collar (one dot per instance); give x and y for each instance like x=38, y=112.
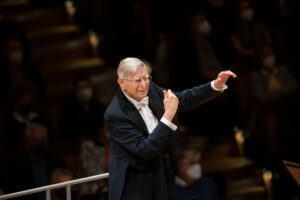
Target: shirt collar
x=133, y=101
x=180, y=182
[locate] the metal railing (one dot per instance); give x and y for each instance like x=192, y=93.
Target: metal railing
x=48, y=188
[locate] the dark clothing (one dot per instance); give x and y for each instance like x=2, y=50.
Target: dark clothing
x=14, y=131
x=27, y=172
x=204, y=189
x=75, y=121
x=29, y=73
x=140, y=164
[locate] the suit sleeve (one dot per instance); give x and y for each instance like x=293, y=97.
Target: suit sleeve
x=191, y=98
x=129, y=137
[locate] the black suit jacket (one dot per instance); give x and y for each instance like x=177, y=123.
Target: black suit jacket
x=139, y=168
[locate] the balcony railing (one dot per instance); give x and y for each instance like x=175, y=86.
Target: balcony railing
x=48, y=188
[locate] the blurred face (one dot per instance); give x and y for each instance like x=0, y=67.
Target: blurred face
x=38, y=136
x=245, y=11
x=187, y=163
x=136, y=85
x=268, y=57
x=14, y=51
x=84, y=91
x=25, y=103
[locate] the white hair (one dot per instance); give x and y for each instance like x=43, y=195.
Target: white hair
x=129, y=66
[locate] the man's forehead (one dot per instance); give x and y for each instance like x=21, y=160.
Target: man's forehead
x=139, y=72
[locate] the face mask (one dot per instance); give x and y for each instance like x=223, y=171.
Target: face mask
x=204, y=27
x=247, y=15
x=85, y=94
x=269, y=61
x=194, y=172
x=16, y=57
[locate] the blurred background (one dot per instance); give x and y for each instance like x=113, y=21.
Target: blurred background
x=58, y=63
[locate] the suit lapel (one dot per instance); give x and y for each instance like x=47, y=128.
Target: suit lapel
x=155, y=103
x=134, y=114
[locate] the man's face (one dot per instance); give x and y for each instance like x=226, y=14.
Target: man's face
x=134, y=85
x=187, y=163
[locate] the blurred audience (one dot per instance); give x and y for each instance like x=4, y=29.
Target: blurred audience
x=60, y=175
x=248, y=35
x=188, y=43
x=189, y=182
x=15, y=65
x=93, y=161
x=272, y=81
x=81, y=115
x=194, y=57
x=33, y=167
x=220, y=13
x=272, y=85
x=22, y=111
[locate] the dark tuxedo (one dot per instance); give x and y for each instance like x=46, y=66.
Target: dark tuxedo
x=139, y=163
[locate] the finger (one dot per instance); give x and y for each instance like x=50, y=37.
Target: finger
x=234, y=75
x=230, y=73
x=166, y=94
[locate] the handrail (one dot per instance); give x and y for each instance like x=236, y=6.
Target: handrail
x=47, y=188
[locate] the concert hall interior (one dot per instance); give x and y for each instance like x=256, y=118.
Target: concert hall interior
x=58, y=74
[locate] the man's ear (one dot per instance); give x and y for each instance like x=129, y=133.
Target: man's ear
x=120, y=82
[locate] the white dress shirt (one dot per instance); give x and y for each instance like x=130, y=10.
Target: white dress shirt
x=148, y=116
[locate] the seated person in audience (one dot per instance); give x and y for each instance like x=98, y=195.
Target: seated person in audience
x=60, y=175
x=15, y=64
x=34, y=166
x=93, y=161
x=189, y=182
x=274, y=97
x=194, y=50
x=272, y=80
x=81, y=115
x=22, y=112
x=248, y=35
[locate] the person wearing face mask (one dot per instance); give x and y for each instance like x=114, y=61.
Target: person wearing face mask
x=273, y=95
x=272, y=80
x=189, y=182
x=195, y=59
x=15, y=66
x=81, y=114
x=248, y=35
x=195, y=48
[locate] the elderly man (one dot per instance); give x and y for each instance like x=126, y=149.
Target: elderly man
x=139, y=121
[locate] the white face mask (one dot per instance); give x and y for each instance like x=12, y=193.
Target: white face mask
x=85, y=94
x=16, y=57
x=204, y=27
x=269, y=61
x=247, y=14
x=194, y=172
